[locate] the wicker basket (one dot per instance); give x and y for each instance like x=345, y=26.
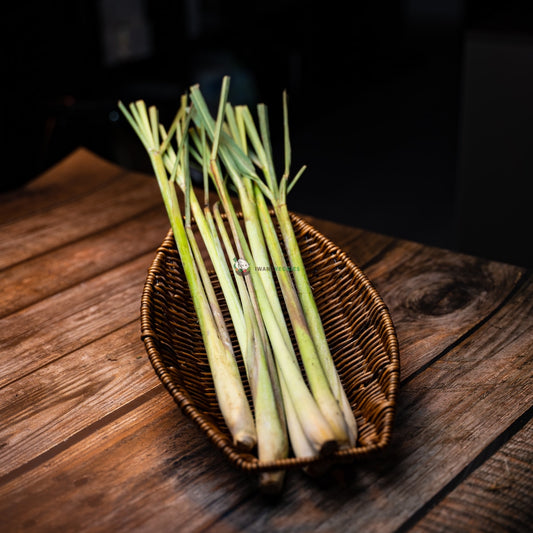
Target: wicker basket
x=358, y=327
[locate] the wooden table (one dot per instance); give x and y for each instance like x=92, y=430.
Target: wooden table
x=91, y=441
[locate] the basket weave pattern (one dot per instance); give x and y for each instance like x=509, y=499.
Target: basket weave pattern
x=358, y=328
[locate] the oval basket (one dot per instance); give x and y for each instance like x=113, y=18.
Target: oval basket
x=358, y=328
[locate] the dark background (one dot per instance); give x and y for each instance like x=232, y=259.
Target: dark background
x=415, y=118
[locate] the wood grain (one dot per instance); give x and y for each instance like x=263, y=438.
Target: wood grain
x=61, y=399
x=110, y=204
x=361, y=246
x=434, y=296
x=447, y=416
x=440, y=429
x=40, y=277
x=71, y=319
x=144, y=471
x=80, y=173
x=90, y=440
x=495, y=497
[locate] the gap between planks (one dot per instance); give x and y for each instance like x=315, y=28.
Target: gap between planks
x=83, y=433
x=469, y=470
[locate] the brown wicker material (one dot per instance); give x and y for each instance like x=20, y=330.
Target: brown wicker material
x=358, y=327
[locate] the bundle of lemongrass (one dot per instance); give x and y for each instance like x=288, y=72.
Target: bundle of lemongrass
x=310, y=413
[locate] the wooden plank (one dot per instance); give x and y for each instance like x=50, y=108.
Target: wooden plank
x=80, y=173
x=64, y=223
x=37, y=278
x=59, y=400
x=68, y=320
x=495, y=497
x=109, y=292
x=447, y=416
x=147, y=470
x=434, y=296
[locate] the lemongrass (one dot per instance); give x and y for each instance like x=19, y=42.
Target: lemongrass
x=318, y=381
x=304, y=287
x=272, y=443
x=277, y=194
x=270, y=422
x=228, y=385
x=318, y=431
x=313, y=367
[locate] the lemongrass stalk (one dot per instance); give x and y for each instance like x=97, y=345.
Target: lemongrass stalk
x=272, y=442
x=270, y=422
x=249, y=310
x=228, y=385
x=259, y=254
x=255, y=228
x=219, y=264
x=278, y=200
x=300, y=444
x=304, y=287
x=317, y=429
x=315, y=373
x=210, y=293
x=314, y=320
x=270, y=425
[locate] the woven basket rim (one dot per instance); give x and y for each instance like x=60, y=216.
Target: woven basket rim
x=247, y=461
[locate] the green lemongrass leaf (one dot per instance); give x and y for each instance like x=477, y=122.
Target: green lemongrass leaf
x=135, y=112
x=173, y=126
x=236, y=127
x=224, y=91
x=197, y=150
x=262, y=111
x=202, y=157
x=187, y=176
x=133, y=123
x=241, y=162
x=253, y=135
x=205, y=167
x=286, y=135
x=238, y=158
x=154, y=123
x=203, y=116
x=169, y=155
x=255, y=160
x=231, y=124
x=264, y=189
x=296, y=178
x=164, y=135
x=182, y=153
x=145, y=121
x=241, y=127
x=195, y=154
